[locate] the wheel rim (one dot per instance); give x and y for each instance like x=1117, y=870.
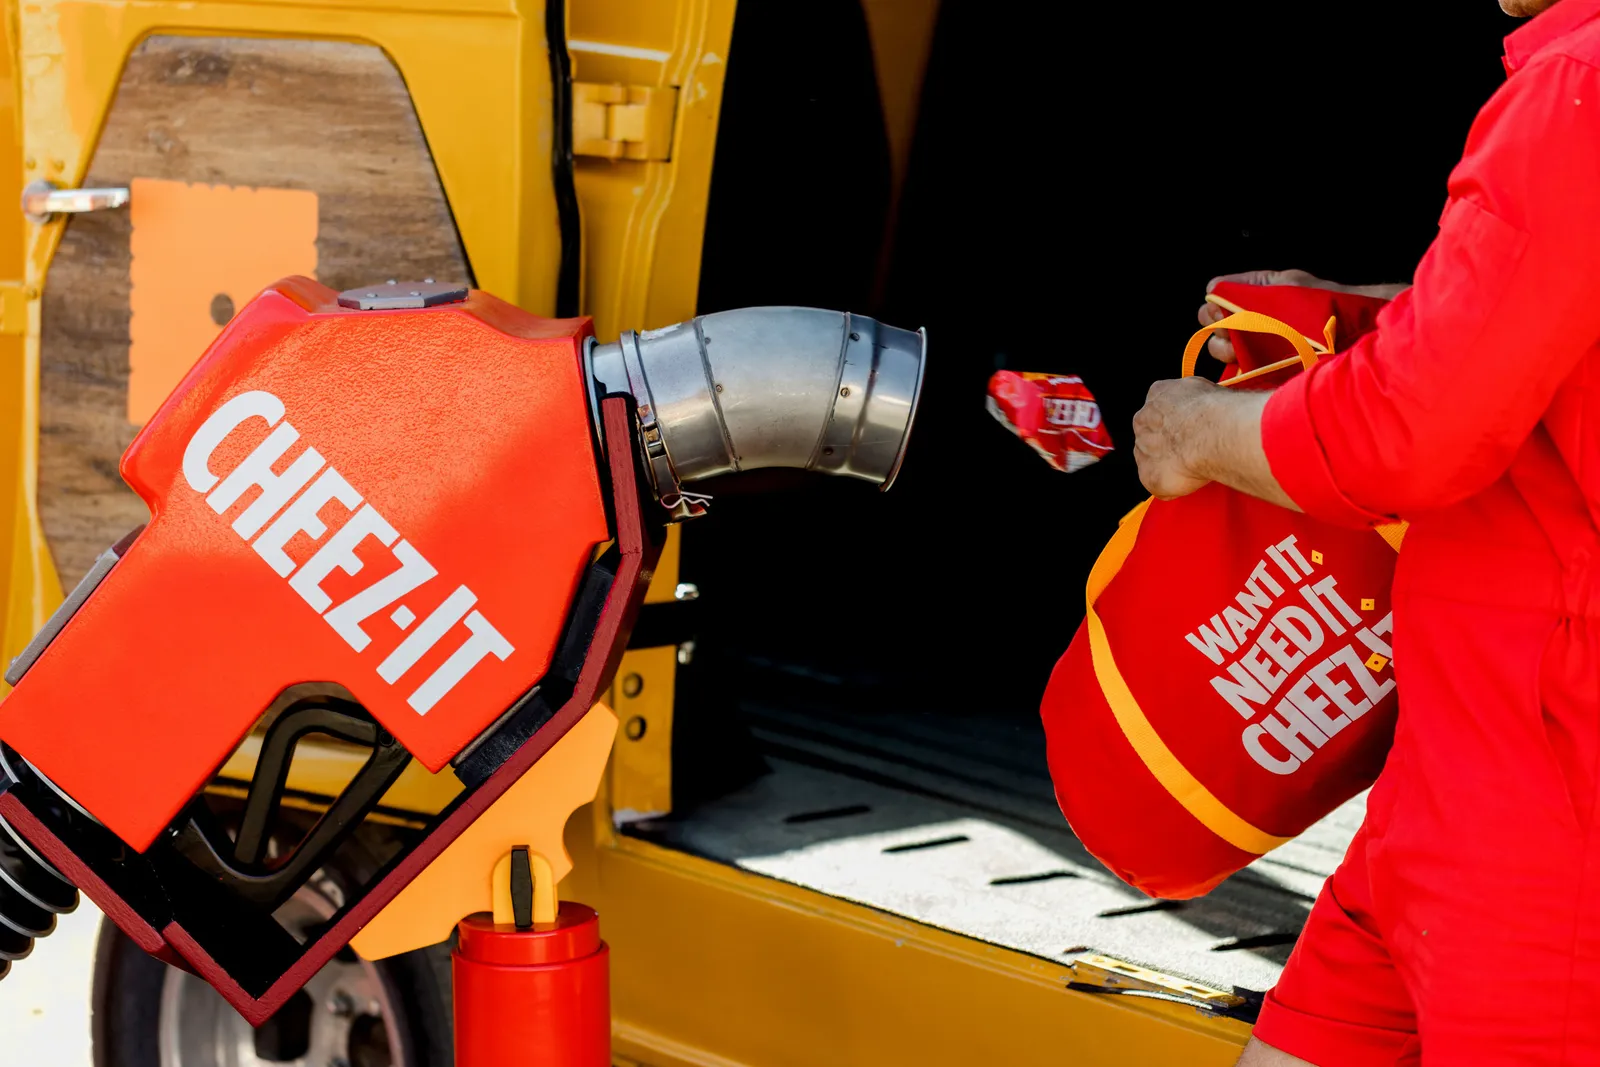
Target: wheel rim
x=350, y=1009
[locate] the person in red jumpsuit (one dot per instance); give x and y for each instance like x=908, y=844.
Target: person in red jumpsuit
x=1463, y=926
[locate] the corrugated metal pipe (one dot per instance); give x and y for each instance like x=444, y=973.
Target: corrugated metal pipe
x=766, y=387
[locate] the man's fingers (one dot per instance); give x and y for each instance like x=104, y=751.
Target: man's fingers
x=1153, y=453
x=1220, y=345
x=1249, y=277
x=1275, y=277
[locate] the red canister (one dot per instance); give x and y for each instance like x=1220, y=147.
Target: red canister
x=540, y=995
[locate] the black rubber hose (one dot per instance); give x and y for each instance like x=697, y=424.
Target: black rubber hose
x=32, y=894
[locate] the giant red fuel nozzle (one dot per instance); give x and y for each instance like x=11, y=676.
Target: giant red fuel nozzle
x=378, y=515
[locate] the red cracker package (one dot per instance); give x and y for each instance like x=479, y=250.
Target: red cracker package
x=1054, y=413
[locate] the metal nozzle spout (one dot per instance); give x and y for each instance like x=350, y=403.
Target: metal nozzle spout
x=767, y=387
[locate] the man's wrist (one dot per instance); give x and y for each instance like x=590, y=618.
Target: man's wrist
x=1205, y=432
x=1223, y=439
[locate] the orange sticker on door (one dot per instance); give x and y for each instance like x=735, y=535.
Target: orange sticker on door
x=200, y=252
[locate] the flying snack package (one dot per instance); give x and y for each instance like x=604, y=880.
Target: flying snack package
x=1054, y=413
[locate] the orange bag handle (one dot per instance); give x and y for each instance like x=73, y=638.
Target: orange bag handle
x=1306, y=350
x=1306, y=354
x=1322, y=349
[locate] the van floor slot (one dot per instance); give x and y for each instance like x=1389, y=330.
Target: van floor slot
x=1142, y=907
x=827, y=813
x=937, y=842
x=1029, y=879
x=1272, y=940
x=1020, y=879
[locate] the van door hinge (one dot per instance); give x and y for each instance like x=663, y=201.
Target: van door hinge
x=623, y=121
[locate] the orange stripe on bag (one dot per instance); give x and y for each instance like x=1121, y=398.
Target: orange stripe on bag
x=1173, y=776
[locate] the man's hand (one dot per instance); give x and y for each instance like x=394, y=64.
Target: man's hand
x=1221, y=348
x=1166, y=431
x=1190, y=433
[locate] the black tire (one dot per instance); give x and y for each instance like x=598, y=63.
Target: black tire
x=127, y=1003
x=422, y=980
x=128, y=985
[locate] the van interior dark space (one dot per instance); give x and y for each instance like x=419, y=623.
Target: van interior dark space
x=1077, y=175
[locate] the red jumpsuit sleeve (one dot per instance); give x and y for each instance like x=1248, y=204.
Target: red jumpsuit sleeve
x=1432, y=406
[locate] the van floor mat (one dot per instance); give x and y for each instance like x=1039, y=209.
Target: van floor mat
x=951, y=821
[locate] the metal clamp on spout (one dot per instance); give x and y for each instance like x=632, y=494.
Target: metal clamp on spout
x=663, y=476
x=766, y=387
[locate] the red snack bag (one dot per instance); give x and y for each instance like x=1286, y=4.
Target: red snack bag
x=1054, y=413
x=1233, y=679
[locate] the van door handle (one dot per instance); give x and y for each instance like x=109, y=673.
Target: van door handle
x=43, y=199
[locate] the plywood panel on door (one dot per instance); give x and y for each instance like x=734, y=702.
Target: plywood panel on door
x=246, y=148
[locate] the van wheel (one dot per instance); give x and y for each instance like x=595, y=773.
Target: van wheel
x=352, y=1013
